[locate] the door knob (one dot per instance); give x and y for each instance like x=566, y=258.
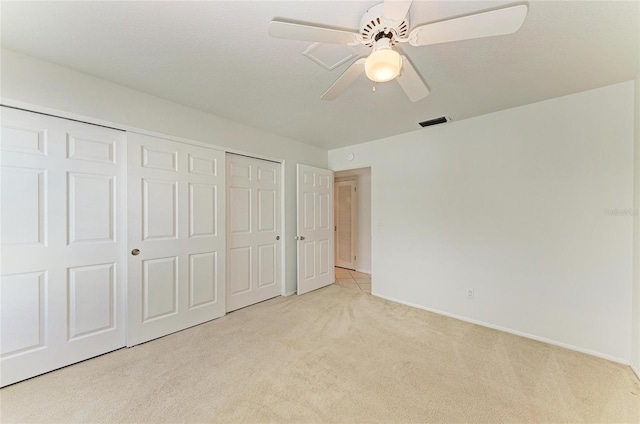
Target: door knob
x=300, y=238
x=277, y=237
x=135, y=252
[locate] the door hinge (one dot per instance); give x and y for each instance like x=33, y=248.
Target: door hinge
x=354, y=258
x=355, y=189
x=335, y=228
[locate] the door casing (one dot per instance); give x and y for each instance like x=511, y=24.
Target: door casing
x=345, y=238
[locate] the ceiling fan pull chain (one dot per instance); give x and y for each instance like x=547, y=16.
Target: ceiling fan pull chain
x=373, y=87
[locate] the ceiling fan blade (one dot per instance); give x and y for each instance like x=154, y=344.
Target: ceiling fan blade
x=487, y=24
x=411, y=82
x=395, y=10
x=345, y=80
x=290, y=31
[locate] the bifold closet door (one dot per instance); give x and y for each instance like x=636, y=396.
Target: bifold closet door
x=176, y=243
x=253, y=231
x=62, y=287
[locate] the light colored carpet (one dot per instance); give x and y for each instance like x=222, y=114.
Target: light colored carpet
x=336, y=356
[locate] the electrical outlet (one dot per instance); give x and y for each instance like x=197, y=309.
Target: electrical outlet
x=469, y=293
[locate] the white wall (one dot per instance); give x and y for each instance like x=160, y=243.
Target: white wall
x=363, y=215
x=363, y=264
x=29, y=80
x=635, y=356
x=512, y=204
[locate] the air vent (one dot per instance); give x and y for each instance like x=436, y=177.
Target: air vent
x=435, y=121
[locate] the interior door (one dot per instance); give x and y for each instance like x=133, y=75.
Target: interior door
x=176, y=240
x=253, y=231
x=63, y=239
x=345, y=224
x=315, y=228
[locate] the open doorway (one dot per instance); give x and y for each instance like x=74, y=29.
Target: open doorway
x=352, y=218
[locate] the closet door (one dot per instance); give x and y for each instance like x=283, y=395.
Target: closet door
x=176, y=237
x=63, y=240
x=253, y=231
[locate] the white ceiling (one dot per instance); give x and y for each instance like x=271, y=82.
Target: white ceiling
x=217, y=57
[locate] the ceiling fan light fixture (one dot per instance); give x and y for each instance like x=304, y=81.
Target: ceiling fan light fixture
x=384, y=63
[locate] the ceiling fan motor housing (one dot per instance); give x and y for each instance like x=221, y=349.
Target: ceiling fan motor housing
x=373, y=27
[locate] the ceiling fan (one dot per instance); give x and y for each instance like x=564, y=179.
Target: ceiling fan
x=384, y=26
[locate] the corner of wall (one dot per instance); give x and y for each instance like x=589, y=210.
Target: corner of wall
x=635, y=325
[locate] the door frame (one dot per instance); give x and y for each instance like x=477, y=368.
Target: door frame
x=375, y=221
x=352, y=181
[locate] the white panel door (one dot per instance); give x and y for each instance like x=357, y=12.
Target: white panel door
x=345, y=224
x=253, y=231
x=176, y=223
x=315, y=228
x=63, y=243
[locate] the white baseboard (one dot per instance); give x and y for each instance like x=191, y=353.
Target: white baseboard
x=287, y=294
x=515, y=332
x=636, y=370
x=366, y=271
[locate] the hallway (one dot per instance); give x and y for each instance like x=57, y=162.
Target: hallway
x=353, y=279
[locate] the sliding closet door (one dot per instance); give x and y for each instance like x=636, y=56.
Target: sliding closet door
x=176, y=232
x=63, y=241
x=253, y=231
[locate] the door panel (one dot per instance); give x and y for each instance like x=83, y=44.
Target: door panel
x=159, y=209
x=62, y=219
x=176, y=207
x=267, y=219
x=203, y=279
x=91, y=207
x=23, y=213
x=266, y=265
x=160, y=280
x=254, y=249
x=239, y=270
x=315, y=228
x=23, y=302
x=202, y=210
x=91, y=299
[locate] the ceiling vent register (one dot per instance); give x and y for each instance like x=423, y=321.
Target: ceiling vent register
x=435, y=121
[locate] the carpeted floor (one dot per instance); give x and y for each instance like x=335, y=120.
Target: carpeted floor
x=336, y=356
